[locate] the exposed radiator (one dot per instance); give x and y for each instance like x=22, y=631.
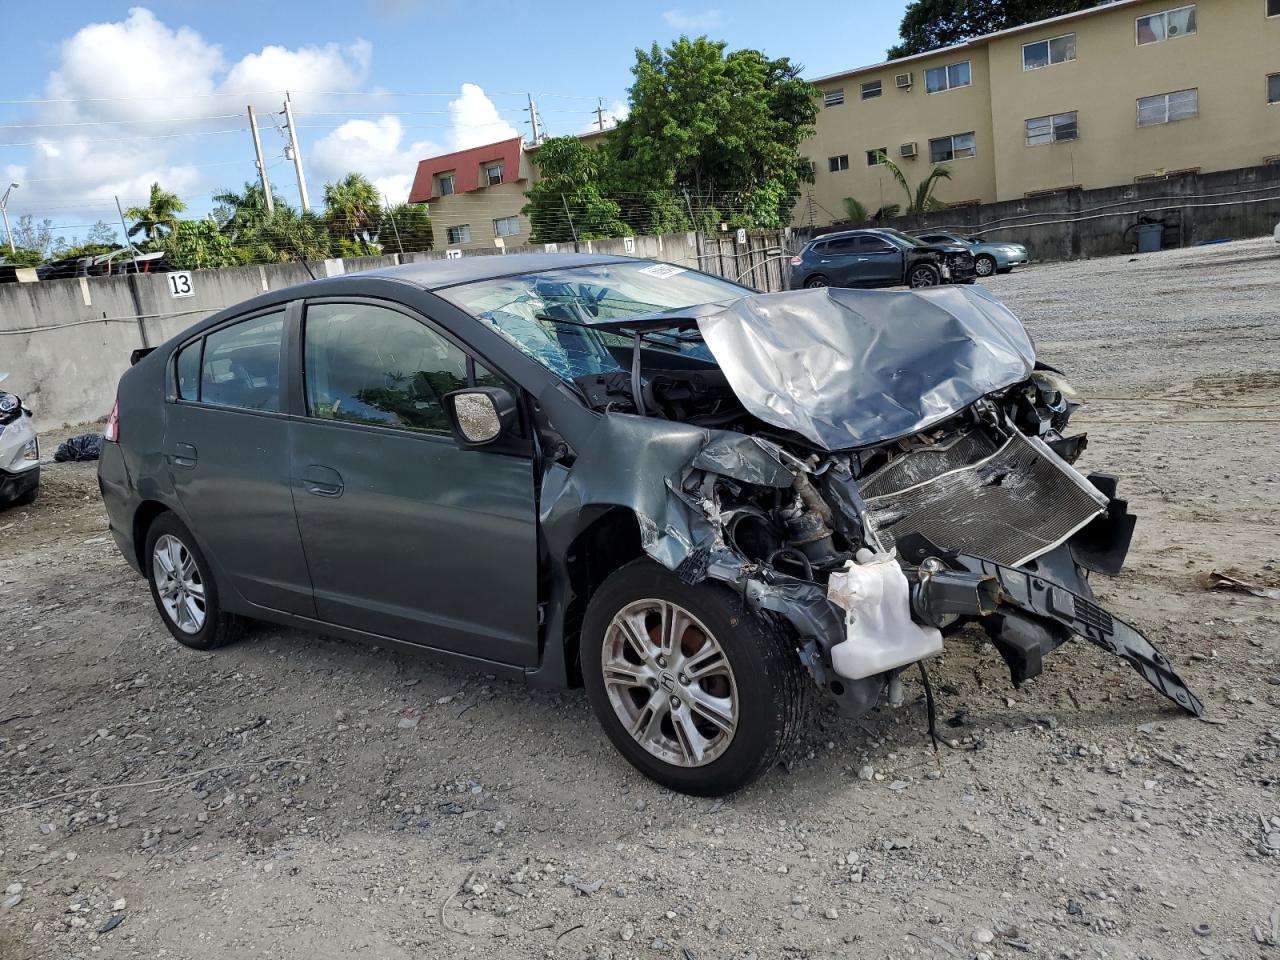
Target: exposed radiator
x=1009, y=506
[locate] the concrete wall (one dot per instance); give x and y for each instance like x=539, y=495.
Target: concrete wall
x=65, y=343
x=1092, y=223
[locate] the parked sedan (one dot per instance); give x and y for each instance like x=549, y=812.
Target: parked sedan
x=988, y=257
x=880, y=258
x=705, y=505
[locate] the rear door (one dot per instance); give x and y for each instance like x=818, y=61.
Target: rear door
x=226, y=447
x=840, y=262
x=879, y=261
x=405, y=534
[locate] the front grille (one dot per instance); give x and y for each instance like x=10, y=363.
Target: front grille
x=964, y=260
x=1010, y=506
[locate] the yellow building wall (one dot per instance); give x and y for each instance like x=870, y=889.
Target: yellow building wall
x=479, y=209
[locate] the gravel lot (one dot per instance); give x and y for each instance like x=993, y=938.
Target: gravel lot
x=294, y=796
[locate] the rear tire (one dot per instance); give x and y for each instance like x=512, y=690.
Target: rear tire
x=183, y=588
x=715, y=700
x=814, y=283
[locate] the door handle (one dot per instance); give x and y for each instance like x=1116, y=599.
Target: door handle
x=183, y=455
x=322, y=481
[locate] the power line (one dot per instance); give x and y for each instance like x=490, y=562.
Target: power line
x=158, y=136
x=99, y=123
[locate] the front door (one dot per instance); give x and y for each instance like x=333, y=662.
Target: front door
x=879, y=260
x=226, y=447
x=405, y=534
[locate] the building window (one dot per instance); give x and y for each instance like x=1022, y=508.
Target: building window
x=956, y=147
x=493, y=173
x=446, y=184
x=1273, y=8
x=1168, y=25
x=1054, y=129
x=877, y=156
x=836, y=164
x=948, y=78
x=1273, y=88
x=1045, y=52
x=459, y=234
x=833, y=98
x=871, y=90
x=506, y=226
x=1168, y=107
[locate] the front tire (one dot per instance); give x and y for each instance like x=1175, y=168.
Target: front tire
x=183, y=588
x=923, y=276
x=696, y=691
x=985, y=265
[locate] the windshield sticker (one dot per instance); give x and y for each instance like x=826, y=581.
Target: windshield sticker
x=662, y=270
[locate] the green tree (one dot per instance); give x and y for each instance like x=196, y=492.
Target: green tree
x=37, y=236
x=726, y=126
x=284, y=236
x=568, y=200
x=855, y=211
x=102, y=234
x=198, y=244
x=921, y=199
x=21, y=257
x=930, y=24
x=353, y=209
x=407, y=226
x=238, y=211
x=158, y=217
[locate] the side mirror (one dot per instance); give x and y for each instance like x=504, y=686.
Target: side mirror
x=479, y=415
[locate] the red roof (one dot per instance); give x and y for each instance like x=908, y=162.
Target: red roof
x=465, y=166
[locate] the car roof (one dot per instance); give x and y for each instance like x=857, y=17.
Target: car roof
x=437, y=274
x=861, y=231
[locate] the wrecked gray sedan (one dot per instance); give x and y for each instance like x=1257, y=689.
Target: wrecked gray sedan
x=705, y=505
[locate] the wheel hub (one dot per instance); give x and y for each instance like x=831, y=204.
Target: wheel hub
x=670, y=683
x=179, y=584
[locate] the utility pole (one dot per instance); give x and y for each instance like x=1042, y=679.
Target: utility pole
x=262, y=167
x=133, y=249
x=386, y=205
x=297, y=154
x=4, y=212
x=572, y=228
x=533, y=120
x=599, y=111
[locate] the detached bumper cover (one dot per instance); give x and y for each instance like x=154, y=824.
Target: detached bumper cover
x=15, y=485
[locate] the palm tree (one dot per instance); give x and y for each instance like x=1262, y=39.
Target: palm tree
x=354, y=208
x=240, y=211
x=159, y=216
x=855, y=210
x=921, y=199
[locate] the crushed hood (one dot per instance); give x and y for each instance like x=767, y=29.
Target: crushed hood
x=849, y=368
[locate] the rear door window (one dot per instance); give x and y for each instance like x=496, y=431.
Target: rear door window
x=842, y=245
x=241, y=364
x=368, y=364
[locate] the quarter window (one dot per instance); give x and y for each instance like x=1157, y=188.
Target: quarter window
x=241, y=364
x=955, y=75
x=836, y=164
x=1273, y=88
x=459, y=234
x=1045, y=52
x=1168, y=107
x=833, y=98
x=368, y=364
x=189, y=371
x=956, y=147
x=493, y=173
x=1167, y=25
x=1054, y=129
x=446, y=184
x=871, y=90
x=506, y=226
x=877, y=156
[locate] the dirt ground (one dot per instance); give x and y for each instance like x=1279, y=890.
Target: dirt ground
x=299, y=797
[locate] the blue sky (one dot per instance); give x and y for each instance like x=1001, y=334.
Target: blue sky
x=133, y=93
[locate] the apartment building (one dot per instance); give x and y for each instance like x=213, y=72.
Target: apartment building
x=476, y=195
x=1126, y=91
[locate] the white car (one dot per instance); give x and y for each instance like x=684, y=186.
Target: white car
x=19, y=452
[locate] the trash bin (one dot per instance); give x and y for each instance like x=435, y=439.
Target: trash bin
x=1149, y=237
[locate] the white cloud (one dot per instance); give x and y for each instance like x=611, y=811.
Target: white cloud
x=616, y=111
x=476, y=120
x=304, y=72
x=696, y=22
x=374, y=148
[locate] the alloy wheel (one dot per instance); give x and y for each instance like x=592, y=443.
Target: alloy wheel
x=179, y=584
x=922, y=277
x=670, y=683
x=984, y=266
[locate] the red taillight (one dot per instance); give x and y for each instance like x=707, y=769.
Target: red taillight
x=796, y=261
x=112, y=431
